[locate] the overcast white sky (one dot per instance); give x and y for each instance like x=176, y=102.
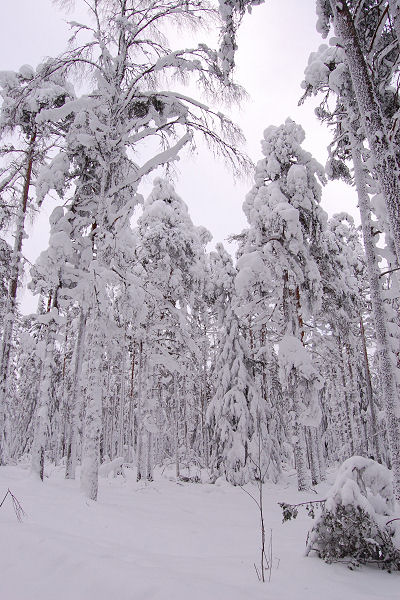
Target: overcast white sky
x=274, y=45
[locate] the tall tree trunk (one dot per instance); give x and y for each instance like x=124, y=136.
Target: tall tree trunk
x=122, y=404
x=386, y=369
x=76, y=402
x=294, y=326
x=204, y=399
x=299, y=441
x=149, y=455
x=348, y=405
x=317, y=434
x=138, y=416
x=93, y=420
x=131, y=440
x=313, y=455
x=177, y=411
x=370, y=398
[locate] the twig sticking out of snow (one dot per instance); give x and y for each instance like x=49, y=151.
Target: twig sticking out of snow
x=19, y=511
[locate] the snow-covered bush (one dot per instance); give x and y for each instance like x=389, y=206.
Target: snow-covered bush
x=356, y=523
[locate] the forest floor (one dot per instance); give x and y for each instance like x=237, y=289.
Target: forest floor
x=163, y=541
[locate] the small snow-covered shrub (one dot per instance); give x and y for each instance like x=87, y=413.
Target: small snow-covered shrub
x=116, y=467
x=355, y=523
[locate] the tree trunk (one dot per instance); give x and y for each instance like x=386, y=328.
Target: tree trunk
x=370, y=398
x=313, y=456
x=386, y=369
x=76, y=403
x=121, y=451
x=348, y=405
x=138, y=419
x=177, y=410
x=93, y=424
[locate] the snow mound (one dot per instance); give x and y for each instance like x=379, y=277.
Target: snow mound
x=358, y=524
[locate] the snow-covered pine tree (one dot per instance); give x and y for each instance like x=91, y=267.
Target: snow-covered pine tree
x=283, y=245
x=170, y=250
x=229, y=412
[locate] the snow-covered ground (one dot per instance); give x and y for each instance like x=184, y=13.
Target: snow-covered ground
x=162, y=541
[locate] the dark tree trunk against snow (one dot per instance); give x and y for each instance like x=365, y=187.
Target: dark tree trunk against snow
x=176, y=410
x=368, y=390
x=149, y=456
x=317, y=433
x=121, y=414
x=386, y=368
x=313, y=455
x=348, y=407
x=138, y=416
x=10, y=312
x=204, y=403
x=385, y=164
x=76, y=404
x=131, y=420
x=360, y=438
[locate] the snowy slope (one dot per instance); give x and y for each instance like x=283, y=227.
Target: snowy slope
x=162, y=541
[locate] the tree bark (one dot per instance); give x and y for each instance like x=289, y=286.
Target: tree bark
x=370, y=398
x=93, y=421
x=76, y=403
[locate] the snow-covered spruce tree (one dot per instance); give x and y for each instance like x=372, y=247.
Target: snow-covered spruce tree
x=327, y=71
x=129, y=56
x=357, y=523
x=229, y=414
x=170, y=250
x=269, y=407
x=284, y=242
x=24, y=96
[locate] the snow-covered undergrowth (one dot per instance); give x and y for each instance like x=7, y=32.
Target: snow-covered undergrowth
x=358, y=521
x=162, y=541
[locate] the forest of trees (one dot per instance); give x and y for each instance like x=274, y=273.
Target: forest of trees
x=148, y=347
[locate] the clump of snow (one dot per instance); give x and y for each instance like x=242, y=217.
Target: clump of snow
x=27, y=72
x=365, y=483
x=293, y=355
